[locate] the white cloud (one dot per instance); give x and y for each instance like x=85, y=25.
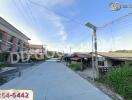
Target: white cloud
x=56, y=21
x=62, y=33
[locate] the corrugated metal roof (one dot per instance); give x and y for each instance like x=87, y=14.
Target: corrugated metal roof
x=82, y=54
x=115, y=55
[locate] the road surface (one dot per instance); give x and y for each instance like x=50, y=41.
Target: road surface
x=54, y=81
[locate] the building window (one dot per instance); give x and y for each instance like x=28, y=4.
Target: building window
x=18, y=49
x=19, y=42
x=9, y=47
x=101, y=63
x=25, y=45
x=10, y=38
x=1, y=36
x=1, y=45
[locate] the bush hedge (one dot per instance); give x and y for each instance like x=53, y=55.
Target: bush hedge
x=120, y=79
x=2, y=65
x=75, y=67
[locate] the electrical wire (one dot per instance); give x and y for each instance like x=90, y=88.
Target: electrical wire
x=112, y=38
x=72, y=19
x=20, y=10
x=28, y=13
x=115, y=21
x=57, y=13
x=75, y=21
x=31, y=14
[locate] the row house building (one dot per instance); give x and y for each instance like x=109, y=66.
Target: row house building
x=36, y=50
x=11, y=39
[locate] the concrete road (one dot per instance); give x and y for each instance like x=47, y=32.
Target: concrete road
x=54, y=81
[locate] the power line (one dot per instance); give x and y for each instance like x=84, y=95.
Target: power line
x=121, y=21
x=116, y=20
x=112, y=37
x=20, y=10
x=31, y=14
x=57, y=13
x=27, y=11
x=73, y=19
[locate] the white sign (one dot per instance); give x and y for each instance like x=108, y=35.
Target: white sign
x=116, y=6
x=16, y=94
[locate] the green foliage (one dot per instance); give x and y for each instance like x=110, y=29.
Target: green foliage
x=56, y=56
x=120, y=79
x=124, y=51
x=75, y=67
x=50, y=53
x=2, y=56
x=45, y=58
x=36, y=60
x=2, y=65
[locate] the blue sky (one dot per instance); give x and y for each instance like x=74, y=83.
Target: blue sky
x=51, y=28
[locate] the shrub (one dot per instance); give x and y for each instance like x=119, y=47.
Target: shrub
x=120, y=79
x=45, y=57
x=75, y=67
x=2, y=56
x=3, y=65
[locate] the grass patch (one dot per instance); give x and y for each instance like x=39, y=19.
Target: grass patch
x=120, y=79
x=3, y=65
x=75, y=67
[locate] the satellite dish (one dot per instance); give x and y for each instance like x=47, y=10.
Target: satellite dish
x=115, y=6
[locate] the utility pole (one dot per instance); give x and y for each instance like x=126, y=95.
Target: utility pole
x=70, y=49
x=93, y=59
x=94, y=54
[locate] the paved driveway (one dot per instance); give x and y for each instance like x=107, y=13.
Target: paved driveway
x=54, y=81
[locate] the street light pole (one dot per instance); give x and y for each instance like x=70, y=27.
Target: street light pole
x=93, y=59
x=94, y=55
